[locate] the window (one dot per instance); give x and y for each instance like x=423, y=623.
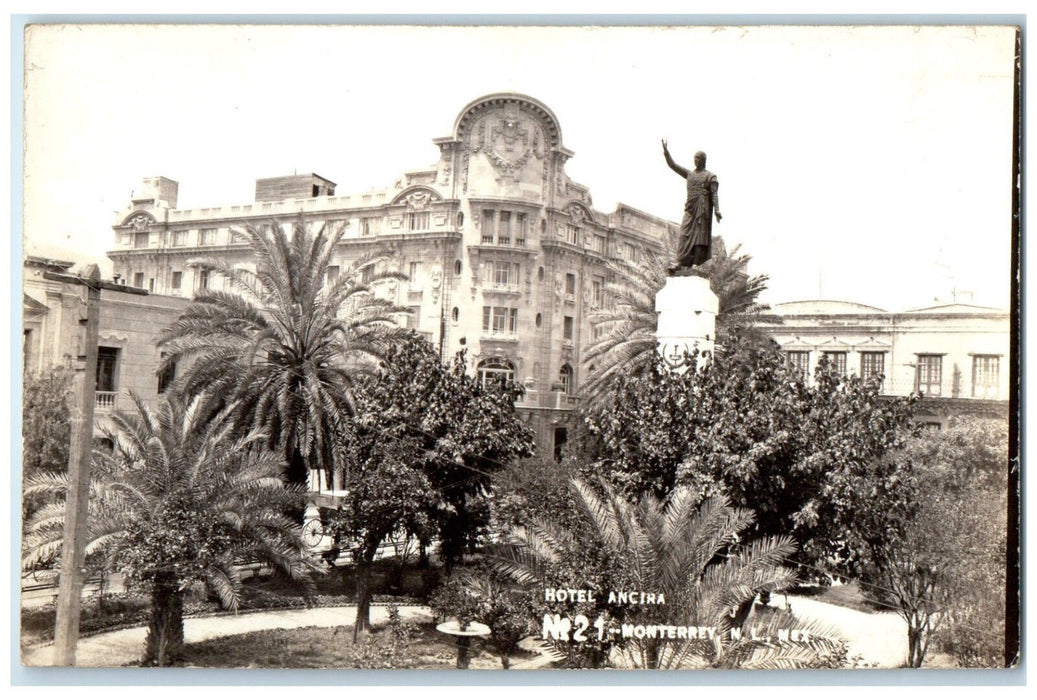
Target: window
x=495, y=370
x=539, y=320
x=460, y=219
x=504, y=228
x=106, y=361
x=930, y=374
x=27, y=347
x=520, y=229
x=177, y=280
x=570, y=284
x=138, y=279
x=567, y=328
x=207, y=236
x=597, y=287
x=140, y=239
x=167, y=375
x=457, y=267
x=151, y=285
x=413, y=273
x=412, y=318
x=503, y=274
x=370, y=225
x=367, y=274
x=572, y=234
x=203, y=278
x=499, y=320
x=598, y=244
x=455, y=314
x=179, y=238
x=418, y=221
x=985, y=376
x=799, y=362
x=565, y=378
x=838, y=362
x=487, y=226
x=333, y=272
x=872, y=364
x=561, y=437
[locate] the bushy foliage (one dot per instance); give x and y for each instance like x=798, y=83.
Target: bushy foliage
x=926, y=528
x=482, y=596
x=748, y=428
x=531, y=489
x=46, y=426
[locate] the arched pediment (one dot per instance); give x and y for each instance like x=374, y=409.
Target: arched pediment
x=514, y=106
x=417, y=197
x=578, y=212
x=139, y=220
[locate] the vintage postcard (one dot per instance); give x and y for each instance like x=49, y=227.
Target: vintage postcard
x=514, y=347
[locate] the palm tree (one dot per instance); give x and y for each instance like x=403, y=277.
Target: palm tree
x=176, y=501
x=690, y=554
x=627, y=343
x=284, y=343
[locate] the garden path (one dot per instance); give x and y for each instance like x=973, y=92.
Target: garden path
x=879, y=639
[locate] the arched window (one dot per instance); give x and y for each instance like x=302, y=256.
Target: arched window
x=455, y=314
x=494, y=370
x=539, y=320
x=457, y=267
x=565, y=377
x=460, y=219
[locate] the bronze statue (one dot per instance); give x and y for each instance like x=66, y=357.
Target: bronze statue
x=696, y=240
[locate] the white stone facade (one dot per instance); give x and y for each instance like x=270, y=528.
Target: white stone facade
x=505, y=253
x=956, y=355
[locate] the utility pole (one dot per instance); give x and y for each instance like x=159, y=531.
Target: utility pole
x=73, y=554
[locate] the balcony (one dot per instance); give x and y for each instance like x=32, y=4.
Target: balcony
x=105, y=400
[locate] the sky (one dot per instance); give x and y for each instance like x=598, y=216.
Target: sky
x=867, y=164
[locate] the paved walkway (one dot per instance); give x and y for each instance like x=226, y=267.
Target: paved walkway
x=124, y=647
x=878, y=638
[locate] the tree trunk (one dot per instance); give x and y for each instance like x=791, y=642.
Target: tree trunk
x=165, y=641
x=363, y=598
x=914, y=644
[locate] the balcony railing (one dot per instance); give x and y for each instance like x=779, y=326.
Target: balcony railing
x=105, y=400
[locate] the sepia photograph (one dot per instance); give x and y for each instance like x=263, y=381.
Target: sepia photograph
x=498, y=347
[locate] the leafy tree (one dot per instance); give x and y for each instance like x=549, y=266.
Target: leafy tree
x=926, y=529
x=427, y=442
x=746, y=427
x=46, y=426
x=691, y=556
x=627, y=345
x=530, y=489
x=177, y=501
x=284, y=344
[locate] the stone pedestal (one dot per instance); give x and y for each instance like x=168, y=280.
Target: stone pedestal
x=687, y=310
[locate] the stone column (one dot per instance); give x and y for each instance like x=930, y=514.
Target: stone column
x=687, y=310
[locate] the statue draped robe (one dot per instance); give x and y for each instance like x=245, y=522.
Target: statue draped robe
x=696, y=241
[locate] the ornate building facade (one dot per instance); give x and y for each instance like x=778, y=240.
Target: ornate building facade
x=505, y=254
